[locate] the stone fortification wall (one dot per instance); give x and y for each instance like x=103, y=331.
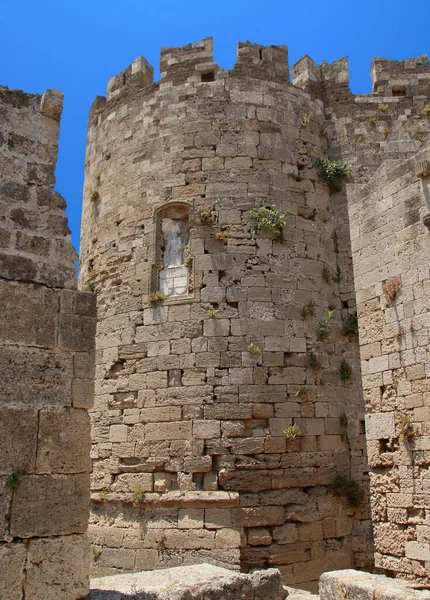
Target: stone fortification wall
x=46, y=339
x=190, y=461
x=390, y=246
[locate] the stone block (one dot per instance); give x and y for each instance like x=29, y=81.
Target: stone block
x=58, y=568
x=77, y=333
x=191, y=518
x=12, y=564
x=380, y=426
x=18, y=434
x=206, y=429
x=35, y=377
x=259, y=536
x=176, y=430
x=218, y=518
x=227, y=538
x=83, y=393
x=64, y=442
x=146, y=559
x=46, y=505
x=29, y=314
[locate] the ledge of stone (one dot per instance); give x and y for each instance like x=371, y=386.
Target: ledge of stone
x=354, y=585
x=189, y=583
x=172, y=499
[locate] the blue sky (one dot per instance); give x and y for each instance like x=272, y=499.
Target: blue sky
x=76, y=46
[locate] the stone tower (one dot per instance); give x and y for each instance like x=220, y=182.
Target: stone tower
x=228, y=387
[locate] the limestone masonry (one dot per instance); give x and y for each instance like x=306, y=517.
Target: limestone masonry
x=229, y=417
x=241, y=417
x=46, y=374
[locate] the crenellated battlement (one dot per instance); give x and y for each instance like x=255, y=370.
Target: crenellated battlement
x=399, y=77
x=140, y=74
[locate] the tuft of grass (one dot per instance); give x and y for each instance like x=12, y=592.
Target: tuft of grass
x=301, y=391
x=338, y=276
x=427, y=110
x=372, y=121
x=14, y=480
x=213, y=313
x=324, y=327
x=314, y=363
x=292, y=432
x=155, y=298
x=326, y=274
x=308, y=310
x=345, y=487
x=94, y=195
x=390, y=288
x=204, y=216
x=138, y=495
x=222, y=236
x=383, y=107
x=406, y=427
x=305, y=121
x=345, y=371
x=253, y=349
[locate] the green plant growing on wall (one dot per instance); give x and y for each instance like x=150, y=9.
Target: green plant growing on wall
x=253, y=349
x=138, y=495
x=383, y=107
x=390, y=288
x=155, y=298
x=292, y=432
x=343, y=486
x=343, y=427
x=427, y=110
x=314, y=363
x=325, y=326
x=213, y=313
x=345, y=370
x=204, y=216
x=372, y=121
x=350, y=326
x=269, y=219
x=338, y=276
x=308, y=310
x=14, y=480
x=406, y=427
x=333, y=172
x=97, y=552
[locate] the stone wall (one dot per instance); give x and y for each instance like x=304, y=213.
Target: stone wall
x=182, y=405
x=46, y=357
x=390, y=246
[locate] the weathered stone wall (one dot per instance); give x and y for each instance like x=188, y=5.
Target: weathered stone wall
x=390, y=247
x=46, y=356
x=181, y=405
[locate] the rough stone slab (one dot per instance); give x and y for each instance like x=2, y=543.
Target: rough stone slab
x=57, y=568
x=350, y=585
x=189, y=583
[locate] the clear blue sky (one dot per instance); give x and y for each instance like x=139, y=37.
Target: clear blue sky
x=76, y=46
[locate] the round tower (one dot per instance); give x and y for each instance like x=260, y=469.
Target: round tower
x=221, y=414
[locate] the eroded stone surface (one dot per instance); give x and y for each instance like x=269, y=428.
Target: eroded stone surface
x=187, y=583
